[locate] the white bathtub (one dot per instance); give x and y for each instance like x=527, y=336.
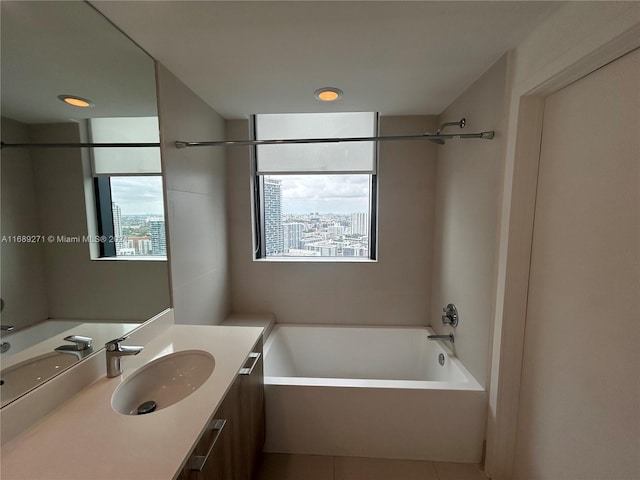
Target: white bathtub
x=370, y=392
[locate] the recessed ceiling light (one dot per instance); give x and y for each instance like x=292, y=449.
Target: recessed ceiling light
x=76, y=101
x=328, y=94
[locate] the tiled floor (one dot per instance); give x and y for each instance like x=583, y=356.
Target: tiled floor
x=316, y=467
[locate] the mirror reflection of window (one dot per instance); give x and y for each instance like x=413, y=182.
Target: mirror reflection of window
x=128, y=189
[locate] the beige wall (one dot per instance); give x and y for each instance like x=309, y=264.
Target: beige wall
x=579, y=414
x=578, y=38
x=467, y=208
x=195, y=184
x=23, y=281
x=393, y=291
x=575, y=30
x=76, y=286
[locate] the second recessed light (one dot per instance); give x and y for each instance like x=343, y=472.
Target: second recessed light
x=328, y=94
x=76, y=101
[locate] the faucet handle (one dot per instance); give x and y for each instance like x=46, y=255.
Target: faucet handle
x=115, y=343
x=450, y=315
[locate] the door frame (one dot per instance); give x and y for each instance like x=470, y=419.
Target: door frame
x=522, y=155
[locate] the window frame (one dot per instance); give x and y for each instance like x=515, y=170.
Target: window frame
x=258, y=211
x=104, y=215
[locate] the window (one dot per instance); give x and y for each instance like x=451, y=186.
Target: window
x=315, y=200
x=128, y=189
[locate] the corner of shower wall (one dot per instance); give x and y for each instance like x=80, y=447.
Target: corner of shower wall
x=469, y=183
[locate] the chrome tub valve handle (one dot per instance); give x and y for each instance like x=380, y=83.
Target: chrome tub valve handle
x=450, y=316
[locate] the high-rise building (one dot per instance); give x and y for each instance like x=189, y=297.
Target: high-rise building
x=360, y=223
x=145, y=247
x=355, y=251
x=325, y=249
x=292, y=235
x=272, y=195
x=158, y=237
x=117, y=226
x=141, y=245
x=335, y=230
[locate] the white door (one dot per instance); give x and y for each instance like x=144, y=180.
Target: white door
x=579, y=415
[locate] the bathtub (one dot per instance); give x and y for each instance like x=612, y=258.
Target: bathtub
x=370, y=392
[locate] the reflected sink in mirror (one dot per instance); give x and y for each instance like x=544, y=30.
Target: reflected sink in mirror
x=163, y=382
x=24, y=376
x=48, y=194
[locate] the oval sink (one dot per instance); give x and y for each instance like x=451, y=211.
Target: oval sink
x=22, y=377
x=163, y=382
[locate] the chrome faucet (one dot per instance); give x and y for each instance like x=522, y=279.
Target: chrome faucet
x=115, y=352
x=6, y=328
x=442, y=337
x=82, y=346
x=79, y=343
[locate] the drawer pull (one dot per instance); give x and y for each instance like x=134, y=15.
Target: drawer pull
x=198, y=462
x=248, y=370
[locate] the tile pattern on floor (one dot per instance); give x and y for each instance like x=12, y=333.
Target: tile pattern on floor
x=276, y=466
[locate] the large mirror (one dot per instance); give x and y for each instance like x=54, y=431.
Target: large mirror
x=57, y=278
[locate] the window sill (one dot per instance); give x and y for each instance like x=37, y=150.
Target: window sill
x=314, y=260
x=132, y=258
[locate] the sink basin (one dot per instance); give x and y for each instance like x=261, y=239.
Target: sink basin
x=163, y=382
x=22, y=377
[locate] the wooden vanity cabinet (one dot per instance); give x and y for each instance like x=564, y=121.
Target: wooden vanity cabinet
x=236, y=435
x=252, y=423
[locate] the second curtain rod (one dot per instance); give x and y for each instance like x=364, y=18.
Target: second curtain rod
x=437, y=137
x=427, y=136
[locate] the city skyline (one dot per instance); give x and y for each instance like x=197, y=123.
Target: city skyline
x=310, y=234
x=138, y=234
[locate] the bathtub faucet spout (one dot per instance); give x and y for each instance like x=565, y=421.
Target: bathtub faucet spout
x=442, y=337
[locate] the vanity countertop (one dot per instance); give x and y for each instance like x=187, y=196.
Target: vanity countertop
x=86, y=438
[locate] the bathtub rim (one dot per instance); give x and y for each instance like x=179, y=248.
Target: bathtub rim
x=471, y=384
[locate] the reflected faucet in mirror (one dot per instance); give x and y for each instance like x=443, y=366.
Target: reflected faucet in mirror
x=4, y=346
x=49, y=194
x=82, y=346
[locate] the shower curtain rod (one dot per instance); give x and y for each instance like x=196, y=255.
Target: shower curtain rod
x=78, y=145
x=437, y=137
x=426, y=136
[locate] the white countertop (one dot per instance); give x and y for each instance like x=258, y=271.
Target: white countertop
x=86, y=438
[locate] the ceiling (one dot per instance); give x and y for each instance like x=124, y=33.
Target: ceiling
x=396, y=58
x=55, y=48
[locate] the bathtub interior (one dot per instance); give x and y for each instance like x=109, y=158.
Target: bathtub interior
x=366, y=353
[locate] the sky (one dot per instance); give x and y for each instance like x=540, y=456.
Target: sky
x=300, y=194
x=324, y=193
x=138, y=195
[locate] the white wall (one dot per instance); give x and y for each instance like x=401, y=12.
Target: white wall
x=395, y=290
x=77, y=287
x=575, y=30
x=467, y=208
x=579, y=415
x=195, y=185
x=578, y=38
